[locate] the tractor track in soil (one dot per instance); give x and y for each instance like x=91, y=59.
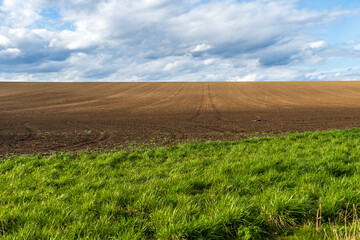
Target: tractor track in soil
x=43, y=117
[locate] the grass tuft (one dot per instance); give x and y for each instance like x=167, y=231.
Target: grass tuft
x=296, y=186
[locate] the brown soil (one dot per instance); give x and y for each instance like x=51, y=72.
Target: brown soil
x=41, y=117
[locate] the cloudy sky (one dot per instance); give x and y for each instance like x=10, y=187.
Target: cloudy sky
x=178, y=40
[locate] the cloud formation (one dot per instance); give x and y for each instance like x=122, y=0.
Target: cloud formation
x=164, y=40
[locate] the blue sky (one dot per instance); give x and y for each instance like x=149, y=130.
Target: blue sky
x=168, y=40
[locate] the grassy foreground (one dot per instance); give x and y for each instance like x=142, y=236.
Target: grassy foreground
x=299, y=186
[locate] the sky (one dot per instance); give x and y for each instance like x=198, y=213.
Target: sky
x=178, y=40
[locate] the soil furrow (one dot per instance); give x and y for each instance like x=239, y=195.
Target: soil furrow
x=42, y=117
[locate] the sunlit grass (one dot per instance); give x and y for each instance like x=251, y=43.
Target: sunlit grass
x=298, y=186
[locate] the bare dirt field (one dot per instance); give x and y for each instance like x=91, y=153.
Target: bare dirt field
x=41, y=117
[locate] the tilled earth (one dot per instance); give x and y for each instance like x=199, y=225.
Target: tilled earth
x=43, y=117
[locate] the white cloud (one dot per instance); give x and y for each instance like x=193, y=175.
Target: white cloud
x=4, y=41
x=316, y=59
x=10, y=52
x=339, y=74
x=316, y=45
x=19, y=13
x=248, y=78
x=139, y=40
x=171, y=66
x=322, y=77
x=178, y=64
x=201, y=48
x=209, y=61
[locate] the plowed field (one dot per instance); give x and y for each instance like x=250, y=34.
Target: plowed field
x=41, y=117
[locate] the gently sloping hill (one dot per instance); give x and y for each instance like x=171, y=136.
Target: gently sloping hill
x=300, y=185
x=43, y=117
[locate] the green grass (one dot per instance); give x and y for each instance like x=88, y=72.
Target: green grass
x=298, y=186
